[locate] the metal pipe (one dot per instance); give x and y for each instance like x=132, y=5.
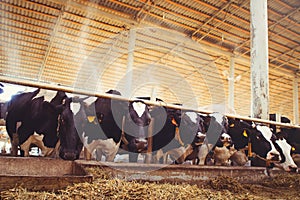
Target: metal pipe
x=48, y=86
x=296, y=100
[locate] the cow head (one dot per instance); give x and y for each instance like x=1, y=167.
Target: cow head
x=58, y=98
x=201, y=133
x=70, y=143
x=216, y=125
x=136, y=126
x=258, y=139
x=265, y=137
x=285, y=149
x=1, y=88
x=191, y=128
x=225, y=139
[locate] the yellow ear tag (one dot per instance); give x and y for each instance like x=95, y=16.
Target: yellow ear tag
x=91, y=118
x=245, y=133
x=293, y=149
x=231, y=125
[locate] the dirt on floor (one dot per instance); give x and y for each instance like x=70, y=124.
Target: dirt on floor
x=106, y=186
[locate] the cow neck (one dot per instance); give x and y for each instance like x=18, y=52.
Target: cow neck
x=123, y=138
x=177, y=132
x=58, y=125
x=178, y=137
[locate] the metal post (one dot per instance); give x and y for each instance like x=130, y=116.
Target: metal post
x=231, y=83
x=295, y=100
x=259, y=59
x=130, y=60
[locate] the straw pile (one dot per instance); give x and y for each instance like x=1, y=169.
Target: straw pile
x=283, y=180
x=106, y=186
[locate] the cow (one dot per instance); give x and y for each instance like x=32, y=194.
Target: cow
x=35, y=115
x=165, y=123
x=291, y=135
x=263, y=147
x=108, y=124
x=175, y=133
x=216, y=126
x=136, y=124
x=101, y=126
x=69, y=137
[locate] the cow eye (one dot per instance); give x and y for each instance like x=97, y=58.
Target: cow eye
x=258, y=137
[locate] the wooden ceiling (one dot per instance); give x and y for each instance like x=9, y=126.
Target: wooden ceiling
x=181, y=49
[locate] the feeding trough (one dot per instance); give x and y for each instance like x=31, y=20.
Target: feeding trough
x=191, y=174
x=40, y=174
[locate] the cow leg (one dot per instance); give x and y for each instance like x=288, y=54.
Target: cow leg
x=110, y=157
x=157, y=156
x=87, y=154
x=38, y=141
x=11, y=127
x=203, y=151
x=133, y=157
x=99, y=154
x=14, y=144
x=25, y=146
x=111, y=153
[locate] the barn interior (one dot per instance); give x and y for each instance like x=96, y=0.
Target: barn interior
x=182, y=51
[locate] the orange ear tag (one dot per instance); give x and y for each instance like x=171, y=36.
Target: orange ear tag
x=174, y=122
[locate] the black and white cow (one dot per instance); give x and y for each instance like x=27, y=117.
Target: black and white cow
x=108, y=124
x=35, y=116
x=291, y=135
x=192, y=132
x=176, y=133
x=136, y=124
x=262, y=146
x=216, y=126
x=101, y=126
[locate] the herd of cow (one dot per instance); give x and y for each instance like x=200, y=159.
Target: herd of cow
x=65, y=126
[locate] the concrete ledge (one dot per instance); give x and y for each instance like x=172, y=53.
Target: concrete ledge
x=179, y=173
x=40, y=173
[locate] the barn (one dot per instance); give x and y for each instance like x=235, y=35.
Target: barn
x=237, y=57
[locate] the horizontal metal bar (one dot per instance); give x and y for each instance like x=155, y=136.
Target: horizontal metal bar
x=75, y=91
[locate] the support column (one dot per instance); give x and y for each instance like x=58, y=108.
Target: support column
x=130, y=60
x=295, y=100
x=231, y=83
x=259, y=59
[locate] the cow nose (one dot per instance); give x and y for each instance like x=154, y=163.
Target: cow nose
x=274, y=156
x=141, y=144
x=201, y=135
x=293, y=169
x=69, y=156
